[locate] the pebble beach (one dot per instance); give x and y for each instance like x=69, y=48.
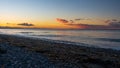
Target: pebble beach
x=21, y=52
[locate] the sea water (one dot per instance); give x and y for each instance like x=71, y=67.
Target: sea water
x=93, y=38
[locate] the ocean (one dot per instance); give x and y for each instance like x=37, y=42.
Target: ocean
x=91, y=38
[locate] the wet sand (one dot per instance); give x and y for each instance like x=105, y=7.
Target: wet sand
x=65, y=55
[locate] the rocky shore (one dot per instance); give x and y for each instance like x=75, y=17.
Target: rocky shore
x=15, y=57
x=21, y=52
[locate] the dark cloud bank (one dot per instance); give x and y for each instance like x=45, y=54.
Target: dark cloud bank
x=26, y=24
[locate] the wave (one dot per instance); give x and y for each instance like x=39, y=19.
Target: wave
x=26, y=32
x=109, y=39
x=51, y=35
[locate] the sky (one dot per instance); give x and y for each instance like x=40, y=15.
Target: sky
x=60, y=14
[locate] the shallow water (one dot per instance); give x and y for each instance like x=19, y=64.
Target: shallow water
x=95, y=38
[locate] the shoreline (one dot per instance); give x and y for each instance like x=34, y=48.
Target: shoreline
x=59, y=42
x=66, y=53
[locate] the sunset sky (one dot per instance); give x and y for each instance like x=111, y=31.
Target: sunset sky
x=60, y=14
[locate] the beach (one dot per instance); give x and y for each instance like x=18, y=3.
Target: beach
x=47, y=54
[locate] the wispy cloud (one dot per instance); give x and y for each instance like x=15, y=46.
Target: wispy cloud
x=62, y=20
x=69, y=21
x=79, y=19
x=26, y=24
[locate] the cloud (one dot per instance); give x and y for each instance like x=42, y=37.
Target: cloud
x=71, y=21
x=25, y=24
x=113, y=20
x=107, y=21
x=89, y=26
x=79, y=25
x=115, y=24
x=62, y=20
x=7, y=23
x=112, y=24
x=78, y=19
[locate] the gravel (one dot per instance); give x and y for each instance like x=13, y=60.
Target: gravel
x=17, y=57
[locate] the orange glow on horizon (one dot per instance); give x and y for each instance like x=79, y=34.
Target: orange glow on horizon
x=52, y=25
